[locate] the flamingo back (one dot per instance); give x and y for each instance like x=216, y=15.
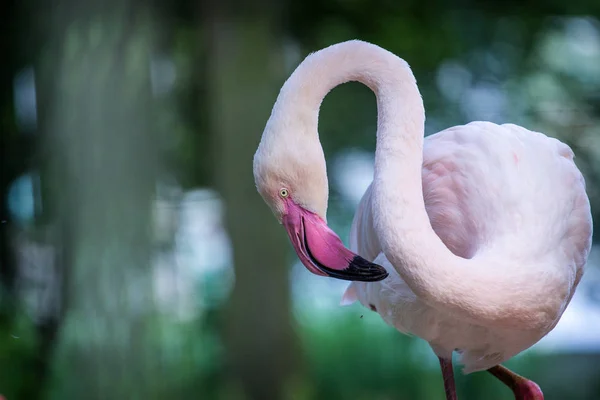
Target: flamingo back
x=490, y=191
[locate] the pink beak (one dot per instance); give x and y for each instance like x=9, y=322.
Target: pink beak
x=322, y=251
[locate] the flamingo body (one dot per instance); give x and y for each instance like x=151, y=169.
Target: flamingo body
x=498, y=189
x=473, y=239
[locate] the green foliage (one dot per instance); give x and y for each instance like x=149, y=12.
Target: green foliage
x=18, y=348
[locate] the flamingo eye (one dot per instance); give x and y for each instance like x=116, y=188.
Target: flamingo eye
x=284, y=192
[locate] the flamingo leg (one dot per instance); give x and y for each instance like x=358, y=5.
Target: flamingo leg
x=523, y=388
x=448, y=375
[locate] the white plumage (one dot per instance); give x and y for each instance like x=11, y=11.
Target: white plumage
x=495, y=188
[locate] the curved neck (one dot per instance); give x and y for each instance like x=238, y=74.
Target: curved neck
x=430, y=269
x=387, y=75
x=397, y=187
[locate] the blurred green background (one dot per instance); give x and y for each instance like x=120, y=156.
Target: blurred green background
x=137, y=260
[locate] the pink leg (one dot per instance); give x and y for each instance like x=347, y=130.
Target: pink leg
x=448, y=375
x=523, y=388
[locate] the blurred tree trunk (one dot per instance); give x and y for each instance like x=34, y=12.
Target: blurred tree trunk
x=102, y=167
x=246, y=70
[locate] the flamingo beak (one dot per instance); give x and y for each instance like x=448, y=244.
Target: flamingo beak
x=322, y=251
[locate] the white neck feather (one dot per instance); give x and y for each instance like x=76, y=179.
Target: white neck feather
x=487, y=295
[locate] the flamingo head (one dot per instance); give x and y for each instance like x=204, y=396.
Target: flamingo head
x=290, y=175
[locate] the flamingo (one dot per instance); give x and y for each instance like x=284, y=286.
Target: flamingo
x=473, y=239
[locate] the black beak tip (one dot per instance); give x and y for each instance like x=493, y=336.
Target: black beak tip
x=359, y=270
x=367, y=271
